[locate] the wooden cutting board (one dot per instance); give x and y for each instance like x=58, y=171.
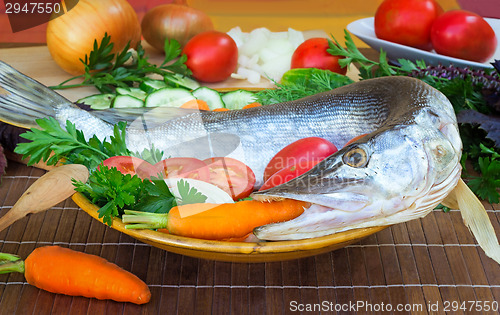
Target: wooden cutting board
x=37, y=63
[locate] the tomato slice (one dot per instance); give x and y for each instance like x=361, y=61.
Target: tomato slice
x=184, y=167
x=131, y=165
x=232, y=176
x=355, y=139
x=306, y=149
x=288, y=173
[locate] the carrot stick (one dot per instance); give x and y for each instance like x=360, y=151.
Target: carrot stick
x=216, y=221
x=65, y=271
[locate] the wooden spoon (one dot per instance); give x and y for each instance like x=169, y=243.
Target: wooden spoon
x=52, y=188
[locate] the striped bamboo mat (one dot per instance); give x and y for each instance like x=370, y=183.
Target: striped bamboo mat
x=427, y=266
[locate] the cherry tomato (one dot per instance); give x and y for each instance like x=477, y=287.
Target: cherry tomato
x=288, y=173
x=407, y=22
x=212, y=56
x=306, y=149
x=131, y=165
x=465, y=35
x=312, y=54
x=232, y=176
x=184, y=167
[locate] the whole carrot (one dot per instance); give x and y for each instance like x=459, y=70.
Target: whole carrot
x=217, y=221
x=62, y=270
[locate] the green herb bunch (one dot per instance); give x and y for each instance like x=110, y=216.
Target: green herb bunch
x=107, y=71
x=108, y=188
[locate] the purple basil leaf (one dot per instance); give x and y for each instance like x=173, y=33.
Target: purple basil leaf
x=490, y=124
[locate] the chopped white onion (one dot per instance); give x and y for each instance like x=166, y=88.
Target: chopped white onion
x=251, y=75
x=263, y=53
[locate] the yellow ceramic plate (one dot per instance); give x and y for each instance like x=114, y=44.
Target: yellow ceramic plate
x=234, y=251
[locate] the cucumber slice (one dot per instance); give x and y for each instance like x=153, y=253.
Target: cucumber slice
x=237, y=99
x=98, y=101
x=135, y=92
x=149, y=86
x=212, y=97
x=170, y=97
x=178, y=80
x=127, y=101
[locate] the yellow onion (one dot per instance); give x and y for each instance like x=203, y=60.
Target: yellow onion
x=173, y=21
x=71, y=36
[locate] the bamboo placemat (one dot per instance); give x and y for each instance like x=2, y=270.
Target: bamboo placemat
x=424, y=266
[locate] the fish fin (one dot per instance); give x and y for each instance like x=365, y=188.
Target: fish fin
x=450, y=201
x=476, y=219
x=23, y=100
x=152, y=117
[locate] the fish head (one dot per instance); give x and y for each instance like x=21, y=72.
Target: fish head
x=392, y=169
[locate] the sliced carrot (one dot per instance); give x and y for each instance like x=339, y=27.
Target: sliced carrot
x=222, y=109
x=196, y=104
x=251, y=105
x=62, y=270
x=218, y=221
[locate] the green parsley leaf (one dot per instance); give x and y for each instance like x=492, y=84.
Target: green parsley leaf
x=152, y=155
x=51, y=143
x=486, y=186
x=155, y=197
x=189, y=194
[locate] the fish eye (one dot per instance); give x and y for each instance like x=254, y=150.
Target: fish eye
x=356, y=157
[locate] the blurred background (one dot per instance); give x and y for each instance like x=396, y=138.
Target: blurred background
x=332, y=16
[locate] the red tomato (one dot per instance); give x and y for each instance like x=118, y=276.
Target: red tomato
x=212, y=56
x=184, y=167
x=232, y=176
x=131, y=165
x=306, y=149
x=312, y=54
x=465, y=35
x=407, y=22
x=288, y=173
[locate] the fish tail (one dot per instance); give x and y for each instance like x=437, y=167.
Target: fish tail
x=24, y=100
x=476, y=219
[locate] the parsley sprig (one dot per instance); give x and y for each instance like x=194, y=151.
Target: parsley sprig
x=111, y=190
x=115, y=193
x=51, y=144
x=106, y=70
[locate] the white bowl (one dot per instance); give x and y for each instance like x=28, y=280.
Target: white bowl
x=364, y=30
